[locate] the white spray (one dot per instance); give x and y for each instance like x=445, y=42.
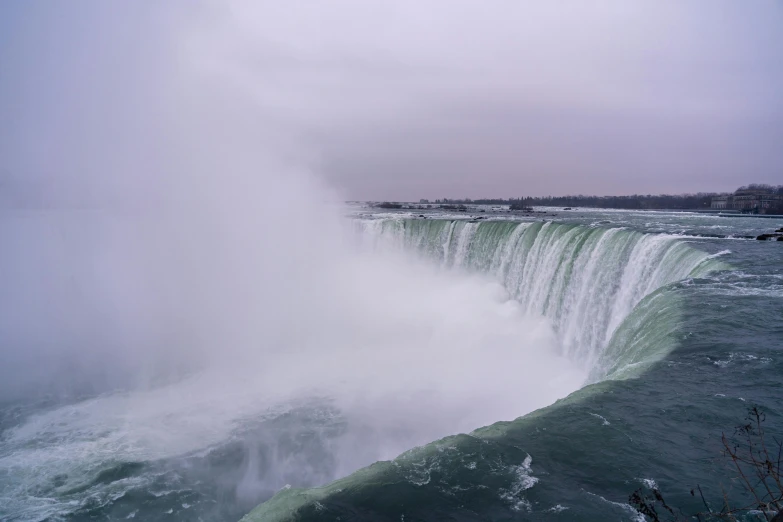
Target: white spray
x=208, y=274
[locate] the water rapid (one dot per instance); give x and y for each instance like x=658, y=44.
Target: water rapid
x=433, y=327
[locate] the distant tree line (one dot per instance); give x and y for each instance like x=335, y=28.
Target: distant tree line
x=636, y=201
x=763, y=186
x=387, y=204
x=633, y=202
x=701, y=200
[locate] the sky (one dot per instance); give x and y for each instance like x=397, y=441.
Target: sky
x=397, y=100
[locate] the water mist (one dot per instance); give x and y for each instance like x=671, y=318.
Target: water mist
x=197, y=285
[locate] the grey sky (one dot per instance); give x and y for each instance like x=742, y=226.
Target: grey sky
x=406, y=99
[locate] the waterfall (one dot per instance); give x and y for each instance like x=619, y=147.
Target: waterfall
x=585, y=280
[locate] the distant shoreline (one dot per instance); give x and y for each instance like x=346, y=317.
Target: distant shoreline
x=467, y=206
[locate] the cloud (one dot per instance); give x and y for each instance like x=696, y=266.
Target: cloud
x=401, y=100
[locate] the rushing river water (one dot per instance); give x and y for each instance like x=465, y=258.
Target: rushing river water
x=602, y=351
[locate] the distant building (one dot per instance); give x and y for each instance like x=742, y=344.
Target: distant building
x=749, y=200
x=745, y=202
x=721, y=202
x=768, y=201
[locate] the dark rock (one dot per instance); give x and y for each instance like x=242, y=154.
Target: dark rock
x=770, y=237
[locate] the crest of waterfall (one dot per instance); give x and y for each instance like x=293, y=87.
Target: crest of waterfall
x=586, y=280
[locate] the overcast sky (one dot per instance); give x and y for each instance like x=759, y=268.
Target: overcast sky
x=404, y=99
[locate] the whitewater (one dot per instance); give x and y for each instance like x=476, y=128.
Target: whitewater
x=584, y=280
x=194, y=326
x=667, y=351
x=442, y=326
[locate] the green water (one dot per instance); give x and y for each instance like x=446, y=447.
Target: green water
x=701, y=342
x=675, y=321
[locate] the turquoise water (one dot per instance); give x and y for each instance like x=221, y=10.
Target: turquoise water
x=673, y=317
